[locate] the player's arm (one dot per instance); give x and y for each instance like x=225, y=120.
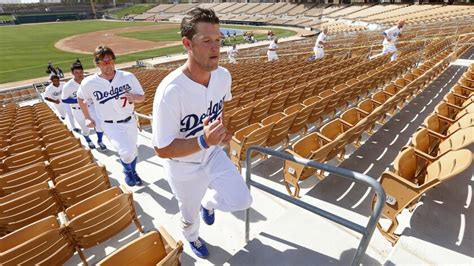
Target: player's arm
x=69, y=100
x=135, y=98
x=52, y=100
x=214, y=134
x=84, y=108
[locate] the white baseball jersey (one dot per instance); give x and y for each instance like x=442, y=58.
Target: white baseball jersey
x=392, y=34
x=273, y=45
x=53, y=92
x=232, y=53
x=70, y=91
x=107, y=95
x=181, y=104
x=321, y=38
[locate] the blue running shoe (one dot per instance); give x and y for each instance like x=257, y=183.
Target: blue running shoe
x=129, y=179
x=138, y=180
x=199, y=248
x=102, y=146
x=207, y=216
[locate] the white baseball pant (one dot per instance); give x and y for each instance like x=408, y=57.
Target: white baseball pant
x=81, y=120
x=390, y=48
x=59, y=108
x=318, y=53
x=232, y=60
x=272, y=55
x=123, y=137
x=69, y=116
x=216, y=184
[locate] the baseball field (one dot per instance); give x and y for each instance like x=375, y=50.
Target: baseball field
x=26, y=49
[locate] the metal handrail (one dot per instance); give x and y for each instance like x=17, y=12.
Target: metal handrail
x=366, y=231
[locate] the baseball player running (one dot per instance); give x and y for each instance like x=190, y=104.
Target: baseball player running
x=188, y=130
x=113, y=94
x=52, y=94
x=320, y=42
x=272, y=48
x=232, y=53
x=69, y=96
x=391, y=36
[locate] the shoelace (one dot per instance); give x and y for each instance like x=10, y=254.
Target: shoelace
x=210, y=212
x=197, y=244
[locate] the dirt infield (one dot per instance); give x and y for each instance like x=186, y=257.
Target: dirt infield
x=86, y=43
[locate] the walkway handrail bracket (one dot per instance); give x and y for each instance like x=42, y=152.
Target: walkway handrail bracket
x=366, y=231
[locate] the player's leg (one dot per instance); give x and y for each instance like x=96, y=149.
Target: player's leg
x=69, y=117
x=60, y=110
x=189, y=192
x=394, y=54
x=80, y=119
x=98, y=128
x=228, y=191
x=124, y=141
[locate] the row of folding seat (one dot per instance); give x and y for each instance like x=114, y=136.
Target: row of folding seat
x=275, y=102
x=276, y=128
x=332, y=137
x=436, y=154
x=18, y=95
x=87, y=223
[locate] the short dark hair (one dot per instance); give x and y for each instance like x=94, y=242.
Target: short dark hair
x=101, y=51
x=53, y=77
x=193, y=17
x=76, y=66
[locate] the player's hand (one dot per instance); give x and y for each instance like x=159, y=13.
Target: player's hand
x=90, y=123
x=215, y=132
x=130, y=97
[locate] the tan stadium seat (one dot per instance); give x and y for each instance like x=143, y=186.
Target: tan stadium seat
x=23, y=178
x=255, y=134
x=57, y=136
x=331, y=130
x=153, y=248
x=98, y=218
x=23, y=146
x=436, y=125
x=279, y=131
x=62, y=146
x=36, y=202
x=412, y=178
x=43, y=242
x=451, y=113
x=70, y=161
x=431, y=147
x=81, y=183
x=318, y=110
x=239, y=119
x=247, y=97
x=278, y=103
x=23, y=159
x=303, y=113
x=260, y=111
x=309, y=147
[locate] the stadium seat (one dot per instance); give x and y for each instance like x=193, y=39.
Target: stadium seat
x=23, y=178
x=413, y=177
x=153, y=248
x=252, y=135
x=98, y=218
x=43, y=242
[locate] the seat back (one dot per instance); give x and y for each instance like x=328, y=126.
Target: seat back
x=23, y=159
x=150, y=249
x=43, y=242
x=100, y=217
x=62, y=146
x=36, y=202
x=82, y=183
x=449, y=165
x=70, y=161
x=23, y=178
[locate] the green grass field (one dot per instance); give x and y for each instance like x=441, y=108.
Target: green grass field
x=135, y=9
x=26, y=49
x=173, y=34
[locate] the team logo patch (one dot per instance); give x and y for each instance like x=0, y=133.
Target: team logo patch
x=105, y=96
x=192, y=123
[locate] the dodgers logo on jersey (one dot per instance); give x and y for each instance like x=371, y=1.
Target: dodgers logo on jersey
x=105, y=96
x=193, y=122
